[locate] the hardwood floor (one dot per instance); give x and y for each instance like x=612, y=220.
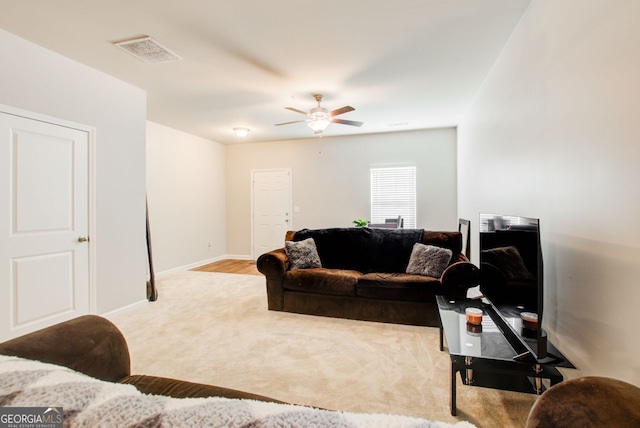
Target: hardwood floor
x=246, y=267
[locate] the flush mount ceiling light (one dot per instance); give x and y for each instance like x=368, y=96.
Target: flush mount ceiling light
x=147, y=49
x=241, y=132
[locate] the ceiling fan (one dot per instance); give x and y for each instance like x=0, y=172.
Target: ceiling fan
x=319, y=118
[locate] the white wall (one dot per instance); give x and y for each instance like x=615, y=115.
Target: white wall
x=38, y=80
x=554, y=133
x=186, y=194
x=331, y=179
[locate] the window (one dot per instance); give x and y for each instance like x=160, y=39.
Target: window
x=393, y=194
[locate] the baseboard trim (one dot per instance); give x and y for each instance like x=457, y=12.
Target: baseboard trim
x=129, y=308
x=201, y=263
x=238, y=257
x=189, y=266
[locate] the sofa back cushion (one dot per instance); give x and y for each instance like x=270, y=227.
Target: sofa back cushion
x=363, y=249
x=450, y=240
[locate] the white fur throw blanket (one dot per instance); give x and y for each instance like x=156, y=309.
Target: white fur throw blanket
x=89, y=402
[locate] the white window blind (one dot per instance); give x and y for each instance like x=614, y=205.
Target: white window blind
x=393, y=194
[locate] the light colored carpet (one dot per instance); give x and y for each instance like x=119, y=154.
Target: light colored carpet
x=215, y=328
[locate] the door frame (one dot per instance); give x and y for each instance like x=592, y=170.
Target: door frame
x=252, y=178
x=91, y=176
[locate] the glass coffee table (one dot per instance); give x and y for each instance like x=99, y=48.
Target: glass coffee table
x=487, y=356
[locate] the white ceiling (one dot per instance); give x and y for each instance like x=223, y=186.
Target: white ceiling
x=403, y=64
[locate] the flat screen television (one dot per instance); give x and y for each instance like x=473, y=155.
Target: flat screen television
x=511, y=273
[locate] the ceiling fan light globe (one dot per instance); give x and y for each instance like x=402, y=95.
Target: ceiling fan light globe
x=319, y=124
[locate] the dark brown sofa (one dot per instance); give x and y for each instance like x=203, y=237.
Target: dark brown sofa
x=94, y=346
x=363, y=276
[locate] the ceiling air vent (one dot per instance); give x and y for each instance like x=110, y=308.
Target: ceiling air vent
x=147, y=49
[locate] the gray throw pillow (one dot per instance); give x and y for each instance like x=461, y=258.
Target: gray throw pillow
x=302, y=254
x=428, y=260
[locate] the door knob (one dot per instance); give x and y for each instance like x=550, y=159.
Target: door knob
x=83, y=239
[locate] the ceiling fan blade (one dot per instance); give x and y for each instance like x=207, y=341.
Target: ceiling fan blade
x=347, y=122
x=345, y=109
x=296, y=110
x=289, y=123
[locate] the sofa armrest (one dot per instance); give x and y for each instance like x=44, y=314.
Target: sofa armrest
x=590, y=401
x=274, y=265
x=458, y=278
x=89, y=344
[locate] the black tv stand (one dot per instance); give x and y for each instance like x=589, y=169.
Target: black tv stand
x=492, y=357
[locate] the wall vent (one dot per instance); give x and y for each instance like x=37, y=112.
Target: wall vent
x=147, y=49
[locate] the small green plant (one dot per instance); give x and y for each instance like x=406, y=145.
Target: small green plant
x=360, y=223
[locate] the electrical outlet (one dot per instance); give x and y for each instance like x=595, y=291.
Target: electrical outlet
x=209, y=245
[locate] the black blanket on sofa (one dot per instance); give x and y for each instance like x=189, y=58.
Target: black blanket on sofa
x=363, y=249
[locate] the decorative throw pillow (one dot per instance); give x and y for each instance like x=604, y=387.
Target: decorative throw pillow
x=508, y=260
x=302, y=254
x=428, y=260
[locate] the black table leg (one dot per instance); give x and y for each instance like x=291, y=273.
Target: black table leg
x=441, y=337
x=453, y=390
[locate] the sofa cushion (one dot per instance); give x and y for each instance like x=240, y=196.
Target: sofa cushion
x=398, y=286
x=363, y=249
x=339, y=282
x=302, y=254
x=182, y=389
x=428, y=260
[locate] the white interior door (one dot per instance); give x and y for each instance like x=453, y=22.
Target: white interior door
x=271, y=209
x=44, y=215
